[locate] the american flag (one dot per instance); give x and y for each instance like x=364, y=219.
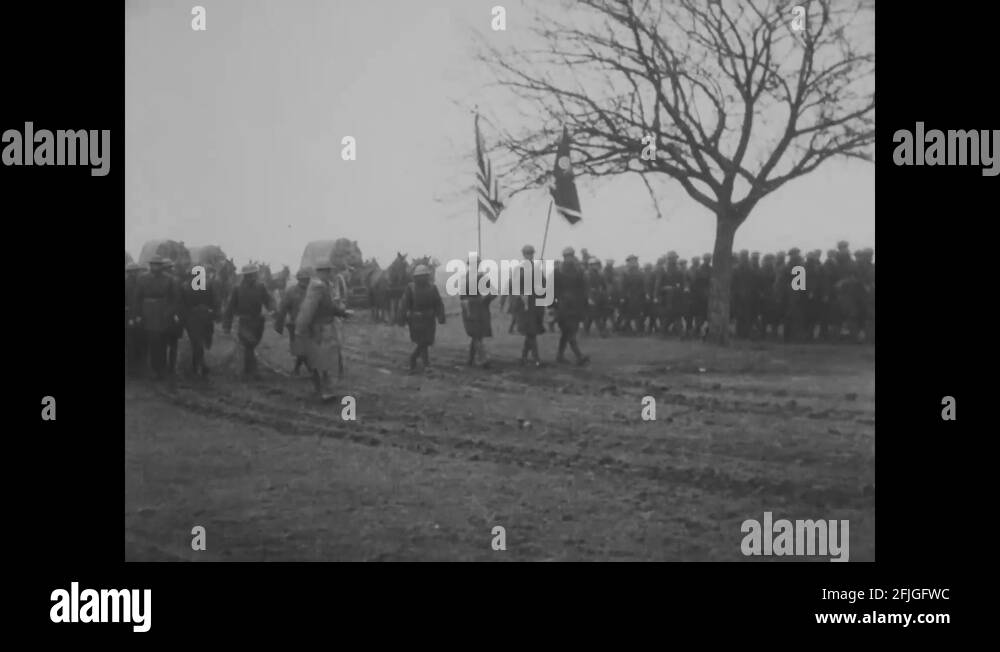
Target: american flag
x=487, y=191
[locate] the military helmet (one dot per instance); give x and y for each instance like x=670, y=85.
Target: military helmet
x=794, y=251
x=568, y=251
x=527, y=249
x=706, y=257
x=422, y=270
x=671, y=255
x=842, y=244
x=610, y=262
x=632, y=257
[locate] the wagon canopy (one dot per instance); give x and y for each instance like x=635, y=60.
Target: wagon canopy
x=209, y=256
x=340, y=252
x=175, y=251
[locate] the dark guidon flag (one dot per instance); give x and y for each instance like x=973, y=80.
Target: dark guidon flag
x=564, y=192
x=487, y=191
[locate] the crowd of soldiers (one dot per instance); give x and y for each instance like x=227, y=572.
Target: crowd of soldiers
x=162, y=304
x=781, y=295
x=834, y=300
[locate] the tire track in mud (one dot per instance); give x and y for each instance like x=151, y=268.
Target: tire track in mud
x=267, y=404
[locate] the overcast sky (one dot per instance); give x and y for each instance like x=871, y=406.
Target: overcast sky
x=233, y=137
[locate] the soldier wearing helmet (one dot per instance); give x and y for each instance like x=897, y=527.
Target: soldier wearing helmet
x=288, y=310
x=570, y=305
x=421, y=306
x=316, y=328
x=155, y=306
x=135, y=336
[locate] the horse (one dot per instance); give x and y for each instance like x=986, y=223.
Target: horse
x=386, y=289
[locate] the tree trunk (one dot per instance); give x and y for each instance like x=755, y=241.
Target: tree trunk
x=722, y=275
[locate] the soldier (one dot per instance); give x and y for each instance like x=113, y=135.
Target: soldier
x=156, y=304
x=791, y=301
x=647, y=323
x=866, y=273
x=597, y=299
x=830, y=327
x=476, y=320
x=769, y=315
x=571, y=304
x=530, y=317
x=743, y=291
x=135, y=337
x=633, y=300
x=815, y=293
x=667, y=293
x=420, y=306
x=614, y=292
x=316, y=335
x=248, y=301
x=288, y=310
x=755, y=297
x=176, y=328
x=197, y=313
x=701, y=280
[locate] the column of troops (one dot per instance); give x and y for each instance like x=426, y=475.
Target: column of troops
x=835, y=302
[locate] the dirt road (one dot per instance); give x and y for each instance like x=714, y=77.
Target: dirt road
x=559, y=456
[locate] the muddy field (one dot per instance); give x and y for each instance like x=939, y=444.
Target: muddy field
x=559, y=456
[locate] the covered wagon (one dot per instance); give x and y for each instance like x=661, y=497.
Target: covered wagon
x=175, y=251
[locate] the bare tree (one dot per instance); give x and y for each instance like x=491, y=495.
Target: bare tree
x=738, y=97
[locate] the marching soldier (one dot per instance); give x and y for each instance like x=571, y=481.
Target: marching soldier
x=316, y=335
x=530, y=317
x=198, y=318
x=248, y=301
x=420, y=307
x=477, y=323
x=288, y=310
x=156, y=304
x=135, y=337
x=571, y=304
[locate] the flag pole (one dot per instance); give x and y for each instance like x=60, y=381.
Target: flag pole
x=546, y=236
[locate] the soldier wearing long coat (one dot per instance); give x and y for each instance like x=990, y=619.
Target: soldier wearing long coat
x=571, y=304
x=598, y=296
x=288, y=311
x=477, y=322
x=156, y=305
x=197, y=312
x=633, y=295
x=135, y=336
x=316, y=327
x=248, y=301
x=421, y=309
